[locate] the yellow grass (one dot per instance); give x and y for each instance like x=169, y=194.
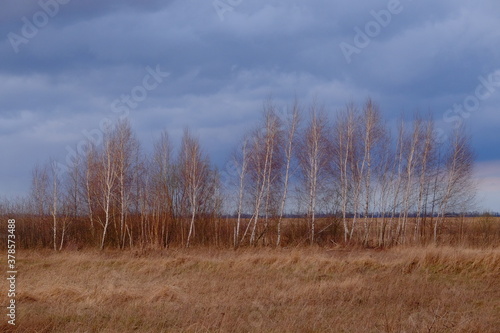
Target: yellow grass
x=259, y=290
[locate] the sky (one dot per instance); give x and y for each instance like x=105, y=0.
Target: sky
x=68, y=68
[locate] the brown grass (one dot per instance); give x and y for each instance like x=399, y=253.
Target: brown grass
x=260, y=290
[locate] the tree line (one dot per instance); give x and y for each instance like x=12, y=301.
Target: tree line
x=303, y=175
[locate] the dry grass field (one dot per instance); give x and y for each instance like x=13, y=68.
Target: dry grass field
x=424, y=289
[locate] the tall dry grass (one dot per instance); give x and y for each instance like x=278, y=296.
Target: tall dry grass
x=431, y=289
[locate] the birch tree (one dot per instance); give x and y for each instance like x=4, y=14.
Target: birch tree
x=90, y=185
x=194, y=169
x=241, y=162
x=107, y=181
x=264, y=169
x=343, y=149
x=374, y=133
x=125, y=149
x=56, y=201
x=458, y=185
x=425, y=168
x=292, y=124
x=313, y=159
x=385, y=179
x=162, y=183
x=412, y=145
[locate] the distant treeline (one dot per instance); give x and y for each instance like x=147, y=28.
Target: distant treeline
x=350, y=177
x=376, y=215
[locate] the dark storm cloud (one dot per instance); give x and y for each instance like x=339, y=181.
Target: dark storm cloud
x=65, y=78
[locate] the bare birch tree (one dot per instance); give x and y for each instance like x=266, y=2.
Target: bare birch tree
x=292, y=124
x=264, y=169
x=107, y=186
x=343, y=151
x=56, y=201
x=125, y=149
x=374, y=133
x=241, y=161
x=411, y=147
x=426, y=159
x=313, y=159
x=90, y=185
x=194, y=169
x=385, y=179
x=162, y=185
x=458, y=185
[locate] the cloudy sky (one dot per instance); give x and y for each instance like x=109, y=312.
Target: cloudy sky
x=68, y=67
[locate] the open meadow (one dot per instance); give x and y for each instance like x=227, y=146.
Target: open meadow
x=307, y=289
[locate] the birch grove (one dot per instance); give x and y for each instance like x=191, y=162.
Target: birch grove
x=308, y=175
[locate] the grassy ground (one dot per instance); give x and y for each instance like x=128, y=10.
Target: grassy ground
x=259, y=290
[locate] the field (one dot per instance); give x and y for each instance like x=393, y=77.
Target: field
x=403, y=289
